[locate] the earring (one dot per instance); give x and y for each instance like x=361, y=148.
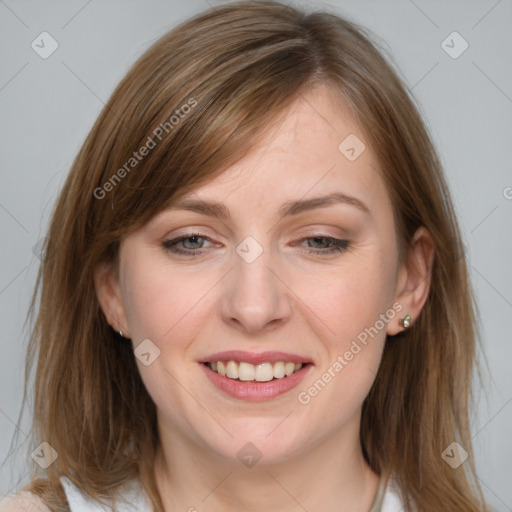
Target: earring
x=406, y=322
x=121, y=334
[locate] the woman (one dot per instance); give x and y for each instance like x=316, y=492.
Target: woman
x=253, y=295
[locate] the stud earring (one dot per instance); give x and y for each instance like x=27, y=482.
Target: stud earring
x=121, y=334
x=406, y=322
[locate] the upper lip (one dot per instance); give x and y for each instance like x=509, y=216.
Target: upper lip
x=255, y=358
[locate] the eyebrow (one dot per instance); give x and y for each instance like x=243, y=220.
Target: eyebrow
x=289, y=208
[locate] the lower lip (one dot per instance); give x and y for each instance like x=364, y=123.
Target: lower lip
x=255, y=391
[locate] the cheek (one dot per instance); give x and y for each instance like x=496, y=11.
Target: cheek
x=354, y=300
x=165, y=306
x=353, y=349
x=163, y=303
x=356, y=305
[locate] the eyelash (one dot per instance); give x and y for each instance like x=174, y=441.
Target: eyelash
x=338, y=245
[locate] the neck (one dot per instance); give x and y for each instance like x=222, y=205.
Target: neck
x=331, y=476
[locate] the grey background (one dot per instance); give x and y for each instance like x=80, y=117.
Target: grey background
x=47, y=106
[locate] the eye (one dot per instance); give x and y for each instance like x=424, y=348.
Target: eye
x=334, y=244
x=192, y=242
x=192, y=249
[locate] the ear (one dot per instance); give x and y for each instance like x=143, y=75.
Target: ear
x=413, y=279
x=106, y=283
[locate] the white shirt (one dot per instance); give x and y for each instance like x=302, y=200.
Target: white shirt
x=138, y=500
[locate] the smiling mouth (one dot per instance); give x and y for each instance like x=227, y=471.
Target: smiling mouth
x=247, y=372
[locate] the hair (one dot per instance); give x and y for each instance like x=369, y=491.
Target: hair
x=237, y=68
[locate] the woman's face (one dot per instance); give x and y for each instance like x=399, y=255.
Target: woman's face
x=275, y=273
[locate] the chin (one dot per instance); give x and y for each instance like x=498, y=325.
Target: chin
x=259, y=440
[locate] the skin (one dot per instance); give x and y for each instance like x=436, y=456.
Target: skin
x=288, y=300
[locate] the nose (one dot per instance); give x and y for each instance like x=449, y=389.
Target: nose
x=256, y=297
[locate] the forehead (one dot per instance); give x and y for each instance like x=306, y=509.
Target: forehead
x=316, y=147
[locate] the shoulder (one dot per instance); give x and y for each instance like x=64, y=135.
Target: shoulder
x=23, y=501
x=392, y=501
x=132, y=493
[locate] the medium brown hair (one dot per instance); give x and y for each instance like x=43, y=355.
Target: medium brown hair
x=238, y=67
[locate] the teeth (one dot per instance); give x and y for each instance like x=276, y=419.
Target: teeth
x=232, y=370
x=279, y=372
x=260, y=372
x=264, y=372
x=246, y=371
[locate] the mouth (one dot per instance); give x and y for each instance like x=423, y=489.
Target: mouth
x=255, y=377
x=247, y=372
